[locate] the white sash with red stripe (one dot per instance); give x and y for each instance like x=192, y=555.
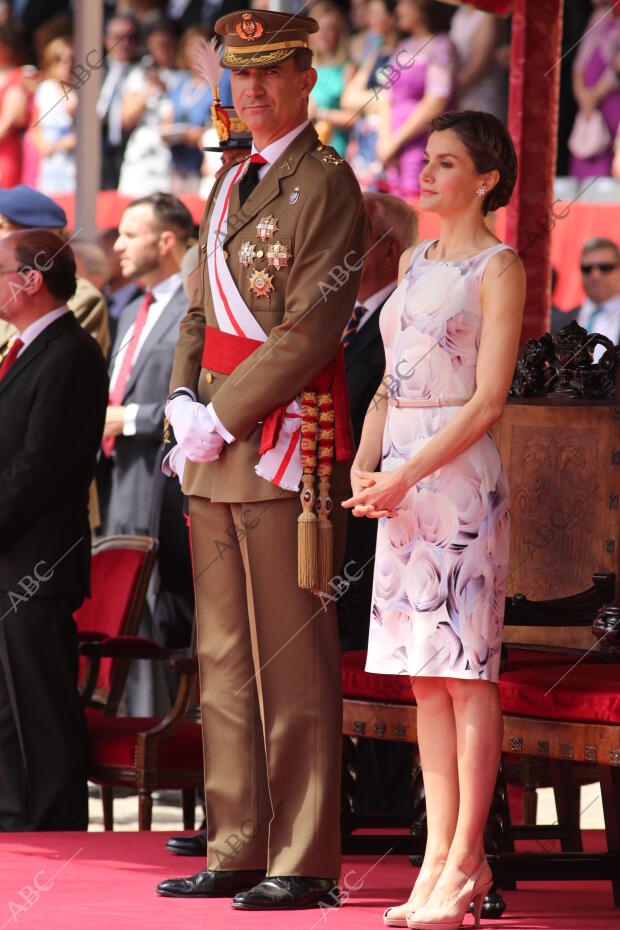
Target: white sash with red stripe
x=282, y=464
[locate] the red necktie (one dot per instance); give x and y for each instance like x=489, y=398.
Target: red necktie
x=10, y=357
x=118, y=391
x=250, y=179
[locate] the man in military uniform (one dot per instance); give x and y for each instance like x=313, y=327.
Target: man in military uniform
x=283, y=241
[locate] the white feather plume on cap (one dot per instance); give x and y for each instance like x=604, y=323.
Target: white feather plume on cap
x=206, y=59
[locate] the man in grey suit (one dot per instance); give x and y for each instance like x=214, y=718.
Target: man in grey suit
x=153, y=236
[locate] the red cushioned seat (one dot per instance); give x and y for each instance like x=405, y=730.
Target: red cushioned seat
x=586, y=693
x=363, y=685
x=113, y=741
x=526, y=658
x=114, y=576
x=357, y=683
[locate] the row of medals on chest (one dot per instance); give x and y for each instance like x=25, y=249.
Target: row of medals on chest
x=277, y=254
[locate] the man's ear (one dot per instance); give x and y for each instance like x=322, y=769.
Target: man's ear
x=31, y=279
x=167, y=242
x=309, y=79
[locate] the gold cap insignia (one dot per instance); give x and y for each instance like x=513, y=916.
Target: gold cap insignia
x=249, y=27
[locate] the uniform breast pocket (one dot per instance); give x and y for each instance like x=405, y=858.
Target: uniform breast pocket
x=267, y=277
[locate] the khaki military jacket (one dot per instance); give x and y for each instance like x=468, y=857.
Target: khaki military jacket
x=322, y=222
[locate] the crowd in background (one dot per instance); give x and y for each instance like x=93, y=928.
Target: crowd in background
x=385, y=69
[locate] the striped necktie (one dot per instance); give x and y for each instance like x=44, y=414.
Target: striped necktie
x=351, y=327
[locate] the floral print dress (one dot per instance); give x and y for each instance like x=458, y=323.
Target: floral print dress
x=441, y=566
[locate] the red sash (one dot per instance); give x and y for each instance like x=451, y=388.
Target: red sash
x=222, y=352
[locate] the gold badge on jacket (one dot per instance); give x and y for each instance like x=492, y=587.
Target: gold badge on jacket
x=247, y=254
x=267, y=227
x=260, y=283
x=278, y=255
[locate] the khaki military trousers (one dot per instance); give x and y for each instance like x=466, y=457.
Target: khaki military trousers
x=270, y=691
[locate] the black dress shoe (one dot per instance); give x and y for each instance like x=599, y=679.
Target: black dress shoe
x=287, y=892
x=210, y=884
x=195, y=845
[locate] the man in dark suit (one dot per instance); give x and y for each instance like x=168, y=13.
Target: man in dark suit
x=152, y=237
x=121, y=42
x=53, y=393
x=394, y=229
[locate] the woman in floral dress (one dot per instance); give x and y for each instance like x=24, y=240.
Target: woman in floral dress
x=451, y=333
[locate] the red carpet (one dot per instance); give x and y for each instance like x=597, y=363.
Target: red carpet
x=105, y=881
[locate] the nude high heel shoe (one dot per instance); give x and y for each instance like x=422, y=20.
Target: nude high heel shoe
x=397, y=921
x=402, y=921
x=450, y=916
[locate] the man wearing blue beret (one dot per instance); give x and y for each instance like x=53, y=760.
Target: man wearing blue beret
x=23, y=207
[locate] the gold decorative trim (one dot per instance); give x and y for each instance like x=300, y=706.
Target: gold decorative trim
x=247, y=55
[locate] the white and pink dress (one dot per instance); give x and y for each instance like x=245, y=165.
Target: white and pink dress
x=441, y=566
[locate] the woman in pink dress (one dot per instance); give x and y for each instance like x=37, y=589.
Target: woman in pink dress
x=420, y=86
x=451, y=333
x=13, y=109
x=596, y=85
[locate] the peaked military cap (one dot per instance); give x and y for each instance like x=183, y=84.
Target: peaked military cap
x=260, y=39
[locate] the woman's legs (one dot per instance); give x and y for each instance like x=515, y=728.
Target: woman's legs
x=479, y=727
x=437, y=742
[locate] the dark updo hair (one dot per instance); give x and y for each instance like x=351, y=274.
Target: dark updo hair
x=437, y=16
x=489, y=146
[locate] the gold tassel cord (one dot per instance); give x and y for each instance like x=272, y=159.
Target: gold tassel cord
x=307, y=564
x=324, y=503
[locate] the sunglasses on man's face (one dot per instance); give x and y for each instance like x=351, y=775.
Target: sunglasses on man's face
x=603, y=267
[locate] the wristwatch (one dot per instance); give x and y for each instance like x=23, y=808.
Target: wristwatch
x=179, y=392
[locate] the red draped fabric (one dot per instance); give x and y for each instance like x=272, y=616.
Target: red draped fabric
x=533, y=121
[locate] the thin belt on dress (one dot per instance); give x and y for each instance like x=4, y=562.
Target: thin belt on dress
x=427, y=402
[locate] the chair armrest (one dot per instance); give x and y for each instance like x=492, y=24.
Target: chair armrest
x=91, y=636
x=127, y=647
x=577, y=610
x=184, y=664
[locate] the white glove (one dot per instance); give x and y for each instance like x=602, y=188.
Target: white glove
x=194, y=429
x=174, y=463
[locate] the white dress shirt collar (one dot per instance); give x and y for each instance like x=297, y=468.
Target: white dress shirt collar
x=607, y=322
x=166, y=288
x=273, y=151
x=374, y=301
x=35, y=329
